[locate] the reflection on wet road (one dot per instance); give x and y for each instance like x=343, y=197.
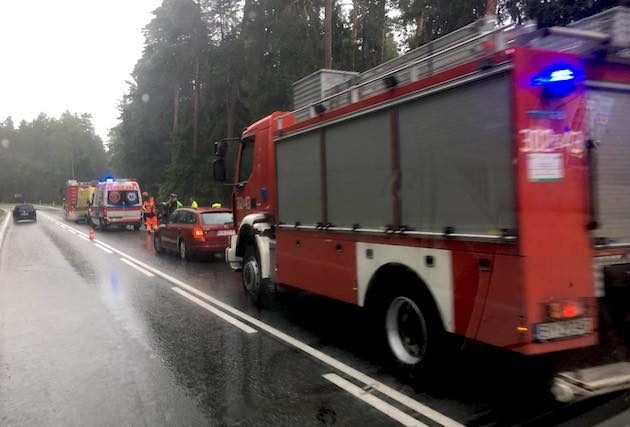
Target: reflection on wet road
x=110, y=333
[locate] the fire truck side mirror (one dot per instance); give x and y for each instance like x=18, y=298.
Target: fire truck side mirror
x=220, y=148
x=218, y=171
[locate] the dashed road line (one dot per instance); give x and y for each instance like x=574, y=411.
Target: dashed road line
x=379, y=404
x=234, y=322
x=83, y=237
x=384, y=389
x=103, y=248
x=140, y=269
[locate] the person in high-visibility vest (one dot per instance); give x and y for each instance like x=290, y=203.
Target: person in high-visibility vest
x=216, y=205
x=151, y=216
x=145, y=207
x=173, y=203
x=193, y=203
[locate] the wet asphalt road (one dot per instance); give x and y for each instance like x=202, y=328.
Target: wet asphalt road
x=87, y=339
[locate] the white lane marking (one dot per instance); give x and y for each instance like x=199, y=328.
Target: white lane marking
x=140, y=269
x=68, y=229
x=235, y=322
x=373, y=401
x=322, y=357
x=4, y=226
x=103, y=248
x=84, y=238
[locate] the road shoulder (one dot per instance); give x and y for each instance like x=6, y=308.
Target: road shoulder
x=4, y=224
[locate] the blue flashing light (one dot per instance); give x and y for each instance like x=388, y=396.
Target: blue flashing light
x=557, y=81
x=562, y=75
x=555, y=76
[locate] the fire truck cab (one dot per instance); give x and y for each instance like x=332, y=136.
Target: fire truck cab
x=475, y=186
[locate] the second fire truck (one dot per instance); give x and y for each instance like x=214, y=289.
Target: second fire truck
x=476, y=186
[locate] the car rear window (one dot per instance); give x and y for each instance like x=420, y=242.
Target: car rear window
x=120, y=198
x=25, y=208
x=216, y=218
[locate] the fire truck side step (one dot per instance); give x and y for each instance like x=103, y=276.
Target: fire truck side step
x=582, y=383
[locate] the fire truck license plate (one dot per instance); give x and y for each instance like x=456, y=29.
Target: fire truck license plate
x=563, y=329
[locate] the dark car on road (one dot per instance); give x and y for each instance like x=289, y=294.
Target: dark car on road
x=195, y=232
x=24, y=212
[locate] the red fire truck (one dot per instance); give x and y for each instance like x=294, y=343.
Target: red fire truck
x=77, y=200
x=477, y=186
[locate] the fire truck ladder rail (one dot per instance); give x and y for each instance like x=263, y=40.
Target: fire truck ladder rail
x=406, y=66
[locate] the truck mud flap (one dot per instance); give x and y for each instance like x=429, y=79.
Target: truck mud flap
x=583, y=383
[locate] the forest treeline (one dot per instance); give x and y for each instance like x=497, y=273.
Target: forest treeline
x=210, y=67
x=38, y=157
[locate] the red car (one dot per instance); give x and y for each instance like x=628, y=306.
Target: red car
x=195, y=232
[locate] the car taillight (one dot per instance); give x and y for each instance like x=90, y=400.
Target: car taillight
x=567, y=309
x=198, y=233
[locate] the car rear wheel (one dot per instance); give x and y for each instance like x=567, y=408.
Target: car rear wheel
x=184, y=255
x=157, y=245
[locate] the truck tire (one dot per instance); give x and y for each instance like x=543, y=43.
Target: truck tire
x=253, y=282
x=412, y=333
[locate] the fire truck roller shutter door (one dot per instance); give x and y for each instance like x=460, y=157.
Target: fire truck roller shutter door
x=359, y=172
x=609, y=128
x=456, y=159
x=299, y=180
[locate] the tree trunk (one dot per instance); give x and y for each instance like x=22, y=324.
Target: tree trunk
x=175, y=108
x=491, y=7
x=195, y=125
x=355, y=32
x=232, y=97
x=382, y=30
x=195, y=108
x=328, y=34
x=420, y=39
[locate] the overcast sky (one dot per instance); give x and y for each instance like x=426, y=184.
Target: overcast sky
x=72, y=55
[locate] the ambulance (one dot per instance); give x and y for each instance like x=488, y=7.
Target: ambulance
x=116, y=203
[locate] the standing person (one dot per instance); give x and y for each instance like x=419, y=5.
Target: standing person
x=173, y=203
x=151, y=216
x=145, y=208
x=193, y=203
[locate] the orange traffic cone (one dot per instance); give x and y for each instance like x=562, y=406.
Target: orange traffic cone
x=91, y=233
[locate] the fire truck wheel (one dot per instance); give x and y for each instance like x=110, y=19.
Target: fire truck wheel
x=183, y=251
x=412, y=334
x=252, y=278
x=156, y=244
